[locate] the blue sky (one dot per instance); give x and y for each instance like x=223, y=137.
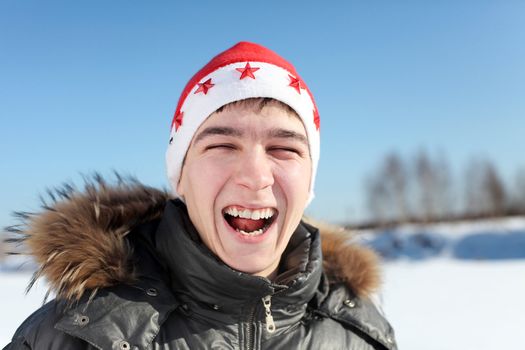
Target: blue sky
x=92, y=85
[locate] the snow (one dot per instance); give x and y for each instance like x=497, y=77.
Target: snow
x=446, y=304
x=502, y=239
x=436, y=298
x=15, y=304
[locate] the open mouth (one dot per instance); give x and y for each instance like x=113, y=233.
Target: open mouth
x=249, y=222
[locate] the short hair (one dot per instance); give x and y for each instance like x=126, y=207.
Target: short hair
x=258, y=104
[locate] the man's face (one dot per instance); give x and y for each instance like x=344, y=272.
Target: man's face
x=246, y=182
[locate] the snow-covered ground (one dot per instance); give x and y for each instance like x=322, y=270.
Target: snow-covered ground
x=446, y=304
x=449, y=299
x=15, y=306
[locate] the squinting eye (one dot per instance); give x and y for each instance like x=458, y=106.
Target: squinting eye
x=220, y=146
x=286, y=150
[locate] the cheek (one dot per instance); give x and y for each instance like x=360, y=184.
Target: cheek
x=295, y=183
x=200, y=185
x=201, y=182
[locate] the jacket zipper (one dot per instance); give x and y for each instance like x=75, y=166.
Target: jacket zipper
x=251, y=325
x=270, y=325
x=267, y=303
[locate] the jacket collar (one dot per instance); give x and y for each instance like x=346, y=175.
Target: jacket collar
x=200, y=279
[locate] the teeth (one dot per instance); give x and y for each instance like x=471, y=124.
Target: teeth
x=250, y=214
x=253, y=233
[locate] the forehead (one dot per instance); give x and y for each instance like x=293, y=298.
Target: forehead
x=263, y=115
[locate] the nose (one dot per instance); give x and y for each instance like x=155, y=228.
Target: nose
x=254, y=170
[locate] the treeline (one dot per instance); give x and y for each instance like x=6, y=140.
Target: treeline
x=423, y=189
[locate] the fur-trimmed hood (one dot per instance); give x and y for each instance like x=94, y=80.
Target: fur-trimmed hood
x=78, y=239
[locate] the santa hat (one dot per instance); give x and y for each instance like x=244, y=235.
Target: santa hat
x=246, y=70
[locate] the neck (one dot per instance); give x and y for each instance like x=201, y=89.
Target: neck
x=270, y=273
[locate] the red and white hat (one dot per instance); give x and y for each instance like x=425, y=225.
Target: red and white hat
x=246, y=70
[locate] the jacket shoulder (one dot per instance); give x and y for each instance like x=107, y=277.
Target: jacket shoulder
x=360, y=315
x=38, y=331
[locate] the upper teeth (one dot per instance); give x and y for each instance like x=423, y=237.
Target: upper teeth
x=250, y=214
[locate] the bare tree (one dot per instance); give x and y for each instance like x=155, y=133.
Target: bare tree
x=518, y=198
x=485, y=191
x=444, y=187
x=432, y=184
x=377, y=199
x=424, y=175
x=396, y=177
x=519, y=193
x=495, y=190
x=387, y=191
x=3, y=248
x=475, y=203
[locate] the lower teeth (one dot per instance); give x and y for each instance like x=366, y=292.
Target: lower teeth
x=253, y=233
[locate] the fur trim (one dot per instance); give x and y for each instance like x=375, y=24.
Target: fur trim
x=355, y=265
x=347, y=262
x=77, y=239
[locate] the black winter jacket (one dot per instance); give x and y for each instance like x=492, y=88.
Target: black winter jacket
x=130, y=272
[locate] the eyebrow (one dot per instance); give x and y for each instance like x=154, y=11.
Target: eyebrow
x=288, y=134
x=272, y=133
x=218, y=130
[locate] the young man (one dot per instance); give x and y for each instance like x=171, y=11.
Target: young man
x=226, y=263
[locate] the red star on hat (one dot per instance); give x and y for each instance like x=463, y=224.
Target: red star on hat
x=295, y=83
x=317, y=119
x=247, y=71
x=204, y=87
x=178, y=120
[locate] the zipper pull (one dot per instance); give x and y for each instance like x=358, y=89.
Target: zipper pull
x=267, y=302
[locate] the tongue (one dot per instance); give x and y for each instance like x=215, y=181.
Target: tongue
x=247, y=225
